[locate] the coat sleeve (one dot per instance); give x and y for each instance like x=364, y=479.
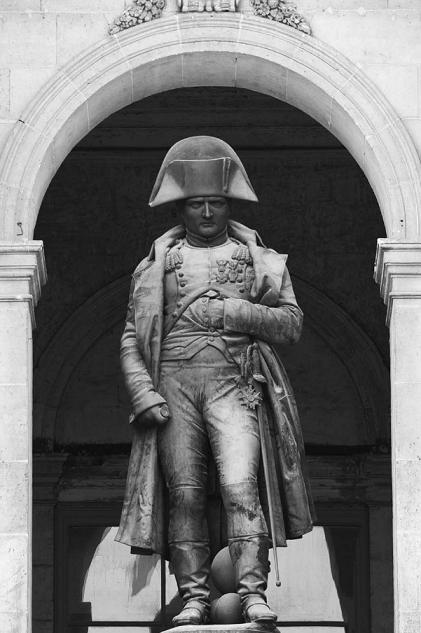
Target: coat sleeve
x=137, y=378
x=281, y=323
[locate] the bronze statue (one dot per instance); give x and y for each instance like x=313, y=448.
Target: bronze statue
x=204, y=308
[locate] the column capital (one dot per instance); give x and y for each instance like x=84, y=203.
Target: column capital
x=397, y=270
x=22, y=272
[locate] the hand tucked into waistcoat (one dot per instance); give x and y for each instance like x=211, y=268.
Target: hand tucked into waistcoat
x=216, y=313
x=155, y=416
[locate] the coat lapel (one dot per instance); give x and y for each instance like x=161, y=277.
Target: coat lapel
x=148, y=297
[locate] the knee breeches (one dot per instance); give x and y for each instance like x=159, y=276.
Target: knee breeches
x=207, y=415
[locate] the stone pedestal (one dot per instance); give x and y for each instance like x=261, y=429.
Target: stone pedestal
x=398, y=271
x=22, y=273
x=256, y=628
x=225, y=628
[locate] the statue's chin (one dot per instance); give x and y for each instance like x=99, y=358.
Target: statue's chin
x=207, y=235
x=208, y=232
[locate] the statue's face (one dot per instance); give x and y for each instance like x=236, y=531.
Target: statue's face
x=206, y=216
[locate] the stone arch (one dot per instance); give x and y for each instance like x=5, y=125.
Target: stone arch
x=214, y=50
x=334, y=327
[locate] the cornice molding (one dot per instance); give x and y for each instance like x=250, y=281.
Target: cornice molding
x=397, y=270
x=22, y=273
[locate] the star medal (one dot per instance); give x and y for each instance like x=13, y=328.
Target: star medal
x=250, y=397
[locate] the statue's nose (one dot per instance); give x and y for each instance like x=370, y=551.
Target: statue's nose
x=207, y=213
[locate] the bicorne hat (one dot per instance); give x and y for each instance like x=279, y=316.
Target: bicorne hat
x=201, y=166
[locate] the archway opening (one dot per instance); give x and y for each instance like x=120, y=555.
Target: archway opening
x=316, y=205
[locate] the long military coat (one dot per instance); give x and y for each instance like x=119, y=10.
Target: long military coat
x=143, y=519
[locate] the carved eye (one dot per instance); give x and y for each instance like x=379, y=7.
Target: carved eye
x=218, y=203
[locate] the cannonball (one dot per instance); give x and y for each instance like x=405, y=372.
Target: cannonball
x=222, y=572
x=226, y=609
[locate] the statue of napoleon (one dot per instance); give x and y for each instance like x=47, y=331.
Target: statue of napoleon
x=205, y=307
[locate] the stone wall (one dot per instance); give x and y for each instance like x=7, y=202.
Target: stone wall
x=382, y=36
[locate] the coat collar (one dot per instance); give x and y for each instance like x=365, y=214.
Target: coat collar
x=237, y=230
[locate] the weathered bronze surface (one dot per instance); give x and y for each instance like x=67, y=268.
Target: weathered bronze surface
x=205, y=307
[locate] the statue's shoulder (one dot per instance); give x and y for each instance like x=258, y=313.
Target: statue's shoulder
x=260, y=254
x=141, y=267
x=159, y=249
x=271, y=253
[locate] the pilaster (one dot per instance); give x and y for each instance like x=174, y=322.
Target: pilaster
x=22, y=273
x=398, y=271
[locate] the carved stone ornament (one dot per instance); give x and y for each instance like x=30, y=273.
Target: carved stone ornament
x=193, y=6
x=281, y=11
x=147, y=10
x=142, y=11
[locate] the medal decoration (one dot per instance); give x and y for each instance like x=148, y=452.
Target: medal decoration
x=236, y=271
x=233, y=271
x=221, y=275
x=249, y=396
x=250, y=374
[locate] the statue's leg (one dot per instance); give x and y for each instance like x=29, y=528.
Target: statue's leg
x=234, y=436
x=191, y=564
x=183, y=452
x=249, y=556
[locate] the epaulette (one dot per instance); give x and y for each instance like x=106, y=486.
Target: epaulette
x=242, y=254
x=174, y=257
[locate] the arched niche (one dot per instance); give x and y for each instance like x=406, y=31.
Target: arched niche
x=218, y=50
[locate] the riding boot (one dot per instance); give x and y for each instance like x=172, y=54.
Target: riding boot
x=191, y=566
x=249, y=556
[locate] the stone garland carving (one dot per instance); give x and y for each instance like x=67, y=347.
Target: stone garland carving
x=142, y=11
x=281, y=11
x=146, y=10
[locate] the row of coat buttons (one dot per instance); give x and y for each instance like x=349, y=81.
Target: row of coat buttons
x=211, y=330
x=182, y=292
x=205, y=319
x=183, y=283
